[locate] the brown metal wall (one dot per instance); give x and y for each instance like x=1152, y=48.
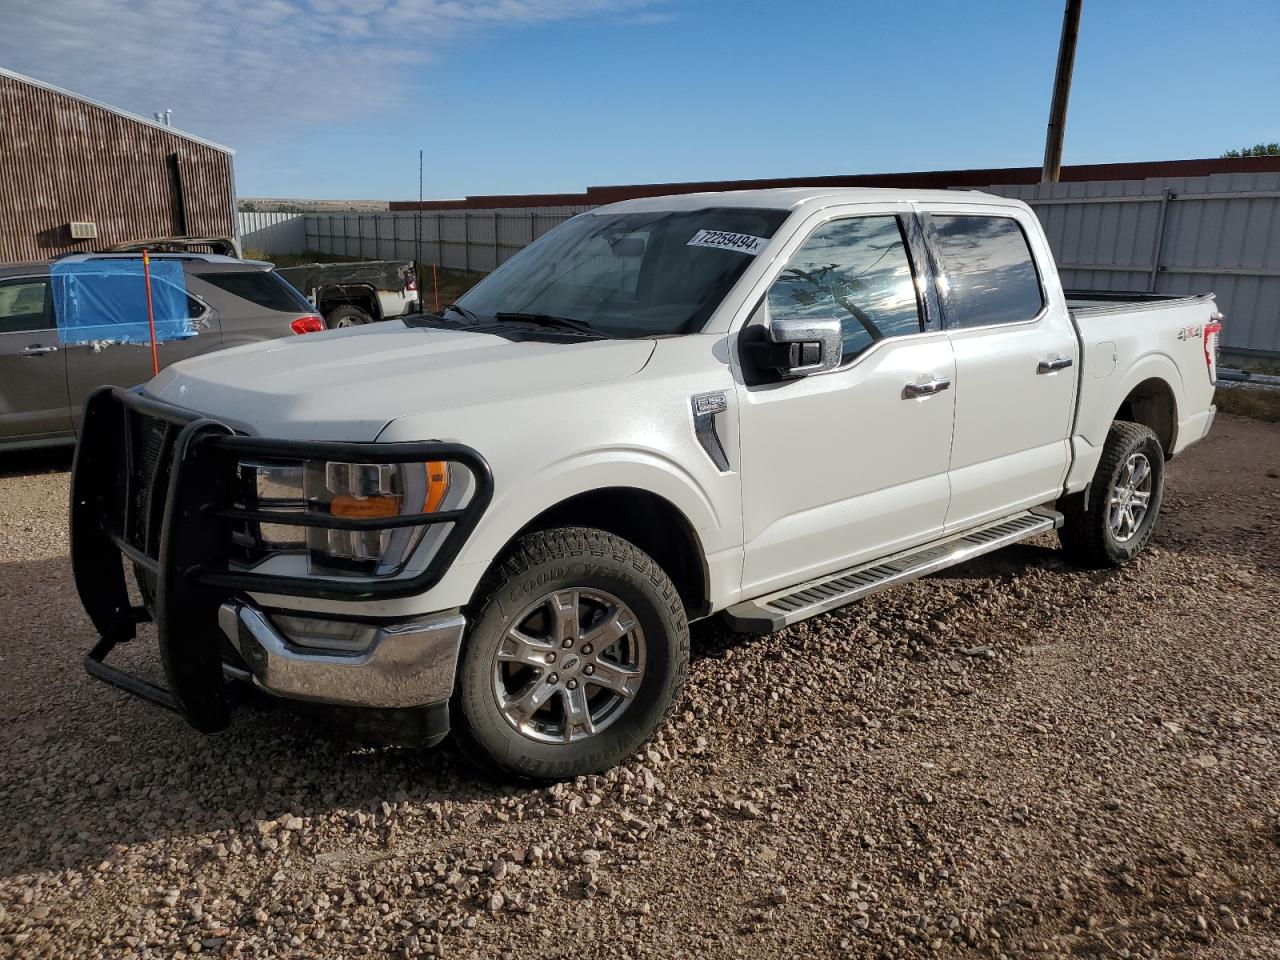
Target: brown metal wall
x=62, y=159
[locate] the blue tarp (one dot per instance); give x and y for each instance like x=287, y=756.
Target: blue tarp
x=106, y=300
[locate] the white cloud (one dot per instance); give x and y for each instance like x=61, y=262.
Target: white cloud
x=255, y=70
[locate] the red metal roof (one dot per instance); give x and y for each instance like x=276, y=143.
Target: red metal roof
x=926, y=179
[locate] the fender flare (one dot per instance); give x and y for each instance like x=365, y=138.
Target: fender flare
x=585, y=472
x=1151, y=366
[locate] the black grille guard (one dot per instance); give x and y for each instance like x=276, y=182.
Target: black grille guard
x=165, y=500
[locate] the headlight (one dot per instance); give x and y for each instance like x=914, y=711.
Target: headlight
x=363, y=493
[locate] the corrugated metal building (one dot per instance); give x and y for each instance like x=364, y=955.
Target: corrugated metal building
x=66, y=159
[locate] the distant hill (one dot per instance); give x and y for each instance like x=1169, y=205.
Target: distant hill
x=302, y=205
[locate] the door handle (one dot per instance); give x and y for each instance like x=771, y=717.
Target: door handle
x=926, y=389
x=37, y=350
x=1054, y=365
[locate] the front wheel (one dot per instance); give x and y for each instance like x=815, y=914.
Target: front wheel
x=1123, y=500
x=578, y=650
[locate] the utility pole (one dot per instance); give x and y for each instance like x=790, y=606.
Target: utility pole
x=1061, y=92
x=417, y=229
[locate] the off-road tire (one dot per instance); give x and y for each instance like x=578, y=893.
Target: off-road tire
x=541, y=563
x=1086, y=534
x=347, y=315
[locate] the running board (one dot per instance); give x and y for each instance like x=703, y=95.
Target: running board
x=785, y=607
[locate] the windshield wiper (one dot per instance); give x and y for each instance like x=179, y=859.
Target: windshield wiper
x=469, y=314
x=550, y=320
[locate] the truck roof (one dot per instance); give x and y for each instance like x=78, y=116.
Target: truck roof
x=787, y=198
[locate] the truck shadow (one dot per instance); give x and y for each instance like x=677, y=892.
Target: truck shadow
x=87, y=768
x=18, y=463
x=1014, y=559
x=89, y=771
x=711, y=638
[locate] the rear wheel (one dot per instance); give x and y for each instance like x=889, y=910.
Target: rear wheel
x=578, y=651
x=347, y=315
x=1124, y=500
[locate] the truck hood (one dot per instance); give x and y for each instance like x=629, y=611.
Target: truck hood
x=349, y=384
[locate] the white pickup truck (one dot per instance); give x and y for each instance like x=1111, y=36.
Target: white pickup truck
x=762, y=404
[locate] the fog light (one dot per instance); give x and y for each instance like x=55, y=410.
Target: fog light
x=337, y=636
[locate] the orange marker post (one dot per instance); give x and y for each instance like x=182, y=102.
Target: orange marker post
x=435, y=285
x=151, y=317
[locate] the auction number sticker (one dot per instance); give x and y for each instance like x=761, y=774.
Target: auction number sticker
x=723, y=240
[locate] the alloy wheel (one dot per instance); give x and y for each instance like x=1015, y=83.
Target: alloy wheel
x=1130, y=498
x=569, y=665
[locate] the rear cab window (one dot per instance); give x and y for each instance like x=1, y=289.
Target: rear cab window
x=988, y=273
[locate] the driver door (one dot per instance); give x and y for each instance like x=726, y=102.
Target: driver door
x=851, y=464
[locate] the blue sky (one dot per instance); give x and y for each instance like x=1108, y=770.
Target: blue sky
x=333, y=98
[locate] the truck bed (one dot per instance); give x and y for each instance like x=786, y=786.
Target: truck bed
x=1152, y=350
x=379, y=274
x=1097, y=302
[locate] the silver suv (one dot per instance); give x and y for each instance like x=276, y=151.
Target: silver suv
x=44, y=382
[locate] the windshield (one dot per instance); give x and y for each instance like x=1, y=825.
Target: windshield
x=631, y=274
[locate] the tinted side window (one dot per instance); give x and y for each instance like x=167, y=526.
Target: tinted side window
x=24, y=305
x=264, y=289
x=990, y=275
x=856, y=271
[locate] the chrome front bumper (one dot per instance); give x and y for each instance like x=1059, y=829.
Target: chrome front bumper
x=405, y=665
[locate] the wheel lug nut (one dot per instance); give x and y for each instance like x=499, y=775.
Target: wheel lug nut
x=572, y=684
x=588, y=669
x=554, y=678
x=568, y=644
x=551, y=658
x=586, y=648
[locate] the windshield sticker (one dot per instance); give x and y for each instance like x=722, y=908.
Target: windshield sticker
x=722, y=240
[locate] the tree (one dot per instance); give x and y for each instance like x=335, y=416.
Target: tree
x=1257, y=150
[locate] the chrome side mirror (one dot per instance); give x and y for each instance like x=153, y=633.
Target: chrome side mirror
x=801, y=348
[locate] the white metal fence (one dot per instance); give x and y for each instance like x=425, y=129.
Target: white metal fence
x=1176, y=235
x=272, y=232
x=473, y=240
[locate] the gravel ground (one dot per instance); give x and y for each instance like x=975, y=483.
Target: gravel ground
x=1013, y=758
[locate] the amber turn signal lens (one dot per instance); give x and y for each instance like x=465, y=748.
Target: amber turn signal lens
x=359, y=508
x=437, y=485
